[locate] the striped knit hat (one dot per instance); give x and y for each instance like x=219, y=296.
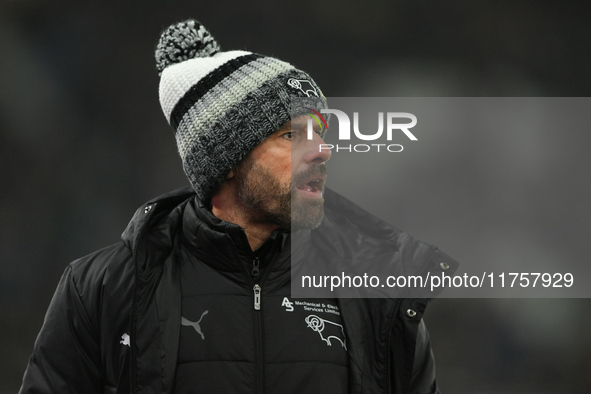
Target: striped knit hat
x=223, y=104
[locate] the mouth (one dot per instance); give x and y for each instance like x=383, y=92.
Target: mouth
x=313, y=187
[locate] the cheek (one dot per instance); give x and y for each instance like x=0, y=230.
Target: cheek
x=278, y=160
x=296, y=163
x=283, y=166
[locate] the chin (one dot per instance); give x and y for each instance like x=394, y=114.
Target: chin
x=307, y=215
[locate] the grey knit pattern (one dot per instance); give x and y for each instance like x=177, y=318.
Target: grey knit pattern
x=223, y=104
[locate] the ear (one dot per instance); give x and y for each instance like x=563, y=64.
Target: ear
x=230, y=174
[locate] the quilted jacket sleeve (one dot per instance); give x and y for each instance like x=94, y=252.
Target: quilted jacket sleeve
x=66, y=356
x=423, y=374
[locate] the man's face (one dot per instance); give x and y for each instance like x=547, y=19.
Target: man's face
x=281, y=181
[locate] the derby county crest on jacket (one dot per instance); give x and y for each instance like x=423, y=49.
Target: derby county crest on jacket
x=327, y=330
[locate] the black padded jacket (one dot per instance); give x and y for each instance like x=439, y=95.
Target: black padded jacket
x=113, y=323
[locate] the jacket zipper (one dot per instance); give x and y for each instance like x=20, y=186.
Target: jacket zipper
x=256, y=267
x=258, y=335
x=258, y=319
x=257, y=297
x=258, y=338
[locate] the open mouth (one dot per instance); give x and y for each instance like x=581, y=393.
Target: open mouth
x=310, y=183
x=314, y=186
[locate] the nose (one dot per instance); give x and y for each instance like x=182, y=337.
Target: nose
x=316, y=150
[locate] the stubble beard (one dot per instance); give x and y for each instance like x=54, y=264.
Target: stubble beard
x=268, y=200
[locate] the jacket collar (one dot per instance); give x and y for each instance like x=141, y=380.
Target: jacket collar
x=347, y=230
x=222, y=244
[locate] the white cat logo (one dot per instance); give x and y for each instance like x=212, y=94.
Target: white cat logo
x=287, y=304
x=125, y=340
x=196, y=325
x=327, y=330
x=304, y=86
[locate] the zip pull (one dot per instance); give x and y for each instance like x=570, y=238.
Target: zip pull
x=255, y=267
x=257, y=297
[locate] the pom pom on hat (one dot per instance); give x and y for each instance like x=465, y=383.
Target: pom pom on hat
x=183, y=41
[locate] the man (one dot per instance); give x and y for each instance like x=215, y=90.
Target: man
x=196, y=297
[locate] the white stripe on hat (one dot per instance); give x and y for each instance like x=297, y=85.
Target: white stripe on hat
x=178, y=78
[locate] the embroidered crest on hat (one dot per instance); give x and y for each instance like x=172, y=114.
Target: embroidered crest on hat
x=304, y=86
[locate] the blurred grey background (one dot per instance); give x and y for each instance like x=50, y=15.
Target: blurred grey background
x=83, y=143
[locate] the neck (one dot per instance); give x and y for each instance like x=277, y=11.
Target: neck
x=229, y=208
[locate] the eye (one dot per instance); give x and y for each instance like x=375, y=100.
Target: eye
x=289, y=135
